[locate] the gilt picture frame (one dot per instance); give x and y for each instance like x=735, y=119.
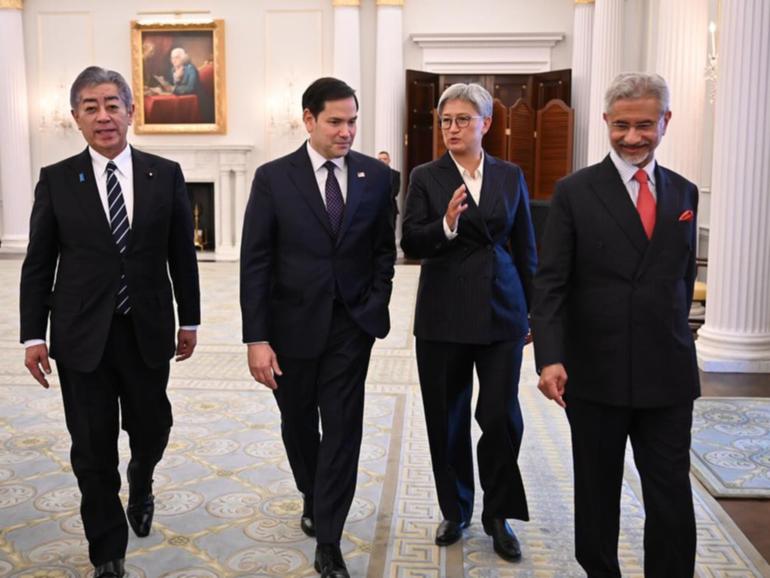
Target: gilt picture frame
x=178, y=72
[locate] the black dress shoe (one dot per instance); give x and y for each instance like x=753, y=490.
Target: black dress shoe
x=306, y=521
x=111, y=569
x=449, y=532
x=329, y=562
x=139, y=515
x=504, y=541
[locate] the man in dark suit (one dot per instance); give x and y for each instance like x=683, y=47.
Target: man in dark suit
x=395, y=181
x=316, y=276
x=467, y=217
x=612, y=296
x=110, y=224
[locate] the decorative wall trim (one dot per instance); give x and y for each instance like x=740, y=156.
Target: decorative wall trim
x=390, y=2
x=225, y=167
x=487, y=53
x=337, y=3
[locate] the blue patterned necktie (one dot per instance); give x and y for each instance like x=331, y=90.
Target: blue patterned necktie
x=335, y=205
x=119, y=227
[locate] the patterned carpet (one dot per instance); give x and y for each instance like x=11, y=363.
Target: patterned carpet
x=226, y=504
x=731, y=446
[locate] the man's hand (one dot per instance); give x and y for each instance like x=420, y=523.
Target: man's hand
x=35, y=358
x=553, y=379
x=456, y=207
x=263, y=364
x=186, y=339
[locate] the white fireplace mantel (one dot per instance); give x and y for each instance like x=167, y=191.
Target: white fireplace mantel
x=225, y=167
x=487, y=52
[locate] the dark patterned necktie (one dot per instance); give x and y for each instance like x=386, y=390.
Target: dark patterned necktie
x=119, y=227
x=335, y=205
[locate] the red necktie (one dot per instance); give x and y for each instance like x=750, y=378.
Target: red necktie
x=645, y=203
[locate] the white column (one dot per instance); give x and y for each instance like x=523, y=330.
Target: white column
x=347, y=50
x=582, y=40
x=15, y=165
x=389, y=88
x=680, y=57
x=606, y=59
x=736, y=335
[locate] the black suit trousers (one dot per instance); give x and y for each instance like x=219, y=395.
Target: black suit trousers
x=446, y=381
x=329, y=387
x=660, y=439
x=122, y=389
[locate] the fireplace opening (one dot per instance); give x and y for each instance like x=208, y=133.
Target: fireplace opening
x=202, y=203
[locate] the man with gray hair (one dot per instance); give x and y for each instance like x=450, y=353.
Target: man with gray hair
x=108, y=228
x=612, y=343
x=467, y=217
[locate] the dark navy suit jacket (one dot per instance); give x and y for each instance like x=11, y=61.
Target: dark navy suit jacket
x=293, y=267
x=476, y=287
x=611, y=305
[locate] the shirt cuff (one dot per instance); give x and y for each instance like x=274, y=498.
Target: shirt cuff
x=189, y=327
x=449, y=233
x=31, y=342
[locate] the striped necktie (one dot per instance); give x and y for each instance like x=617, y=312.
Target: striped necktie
x=119, y=227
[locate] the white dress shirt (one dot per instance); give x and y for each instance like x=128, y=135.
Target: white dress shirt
x=473, y=184
x=341, y=172
x=627, y=172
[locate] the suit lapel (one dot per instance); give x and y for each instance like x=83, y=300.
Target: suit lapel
x=668, y=201
x=613, y=194
x=491, y=192
x=356, y=187
x=144, y=180
x=450, y=178
x=305, y=182
x=87, y=194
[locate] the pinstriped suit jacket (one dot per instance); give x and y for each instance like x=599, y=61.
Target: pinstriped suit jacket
x=475, y=288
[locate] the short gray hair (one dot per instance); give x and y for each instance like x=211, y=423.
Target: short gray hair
x=179, y=51
x=95, y=75
x=473, y=93
x=635, y=85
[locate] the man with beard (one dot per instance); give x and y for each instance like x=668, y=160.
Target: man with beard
x=612, y=343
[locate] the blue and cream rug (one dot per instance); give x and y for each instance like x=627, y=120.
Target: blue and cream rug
x=226, y=502
x=731, y=446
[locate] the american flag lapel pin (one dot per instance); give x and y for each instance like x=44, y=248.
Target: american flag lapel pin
x=361, y=174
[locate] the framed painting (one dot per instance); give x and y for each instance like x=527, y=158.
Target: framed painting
x=178, y=74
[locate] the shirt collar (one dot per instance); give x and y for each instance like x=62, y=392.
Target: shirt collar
x=464, y=172
x=122, y=161
x=627, y=170
x=318, y=160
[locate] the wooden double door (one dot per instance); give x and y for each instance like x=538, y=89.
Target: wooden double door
x=523, y=104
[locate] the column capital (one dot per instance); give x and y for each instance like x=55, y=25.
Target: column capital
x=339, y=3
x=12, y=4
x=585, y=1
x=390, y=2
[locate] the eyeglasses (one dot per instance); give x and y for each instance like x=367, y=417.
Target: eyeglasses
x=461, y=120
x=645, y=126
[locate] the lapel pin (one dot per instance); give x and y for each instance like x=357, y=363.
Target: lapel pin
x=361, y=174
x=150, y=174
x=82, y=178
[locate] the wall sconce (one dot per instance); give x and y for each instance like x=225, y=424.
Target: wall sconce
x=284, y=109
x=55, y=110
x=712, y=72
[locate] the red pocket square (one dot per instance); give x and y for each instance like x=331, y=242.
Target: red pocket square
x=686, y=215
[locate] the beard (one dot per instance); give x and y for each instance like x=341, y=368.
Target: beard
x=634, y=158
